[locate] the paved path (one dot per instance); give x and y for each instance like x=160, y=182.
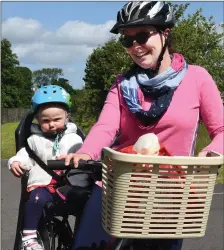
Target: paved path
x=10, y=195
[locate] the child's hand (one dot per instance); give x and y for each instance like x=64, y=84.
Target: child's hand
x=17, y=169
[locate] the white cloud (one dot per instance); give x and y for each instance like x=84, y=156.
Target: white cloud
x=19, y=30
x=72, y=41
x=67, y=47
x=77, y=32
x=220, y=30
x=54, y=54
x=70, y=70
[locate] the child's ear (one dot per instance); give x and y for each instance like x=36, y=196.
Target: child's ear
x=67, y=116
x=36, y=118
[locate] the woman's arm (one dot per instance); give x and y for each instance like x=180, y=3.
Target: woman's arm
x=103, y=132
x=211, y=111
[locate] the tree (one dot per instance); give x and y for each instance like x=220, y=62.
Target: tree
x=195, y=37
x=102, y=67
x=9, y=76
x=64, y=83
x=25, y=85
x=198, y=40
x=46, y=76
x=9, y=62
x=15, y=80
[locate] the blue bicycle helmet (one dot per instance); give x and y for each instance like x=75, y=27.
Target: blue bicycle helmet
x=49, y=94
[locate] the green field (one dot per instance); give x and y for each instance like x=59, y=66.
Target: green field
x=8, y=143
x=8, y=147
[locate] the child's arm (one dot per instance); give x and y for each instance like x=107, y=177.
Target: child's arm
x=22, y=158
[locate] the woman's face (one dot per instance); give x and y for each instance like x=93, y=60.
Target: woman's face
x=145, y=55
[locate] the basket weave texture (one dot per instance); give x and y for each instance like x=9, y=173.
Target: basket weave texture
x=153, y=197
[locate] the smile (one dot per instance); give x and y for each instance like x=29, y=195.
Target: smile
x=141, y=54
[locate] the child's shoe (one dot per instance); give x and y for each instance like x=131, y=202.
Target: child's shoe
x=31, y=243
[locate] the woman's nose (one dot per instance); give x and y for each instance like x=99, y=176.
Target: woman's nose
x=135, y=45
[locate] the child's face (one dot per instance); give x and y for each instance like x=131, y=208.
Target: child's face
x=52, y=119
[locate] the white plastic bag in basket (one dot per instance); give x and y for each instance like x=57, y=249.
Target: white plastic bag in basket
x=147, y=144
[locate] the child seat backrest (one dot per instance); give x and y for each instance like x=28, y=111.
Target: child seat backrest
x=22, y=132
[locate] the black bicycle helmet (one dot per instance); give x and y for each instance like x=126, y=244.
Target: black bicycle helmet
x=144, y=13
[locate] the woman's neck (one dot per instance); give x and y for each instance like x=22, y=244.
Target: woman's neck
x=166, y=62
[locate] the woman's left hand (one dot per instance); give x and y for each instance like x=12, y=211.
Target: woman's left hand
x=203, y=153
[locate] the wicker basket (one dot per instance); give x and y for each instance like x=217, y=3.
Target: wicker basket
x=155, y=202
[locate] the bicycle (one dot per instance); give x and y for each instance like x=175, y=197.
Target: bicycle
x=139, y=204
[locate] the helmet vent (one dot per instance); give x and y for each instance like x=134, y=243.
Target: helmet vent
x=45, y=92
x=54, y=91
x=123, y=16
x=133, y=14
x=143, y=13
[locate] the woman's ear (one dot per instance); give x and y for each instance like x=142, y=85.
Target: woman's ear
x=166, y=32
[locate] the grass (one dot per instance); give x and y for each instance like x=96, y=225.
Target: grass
x=202, y=141
x=8, y=148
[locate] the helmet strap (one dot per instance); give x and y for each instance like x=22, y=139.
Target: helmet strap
x=154, y=71
x=160, y=58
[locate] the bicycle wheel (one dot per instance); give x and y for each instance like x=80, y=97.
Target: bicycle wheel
x=63, y=235
x=122, y=244
x=45, y=236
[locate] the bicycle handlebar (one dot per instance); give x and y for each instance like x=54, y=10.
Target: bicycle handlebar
x=93, y=166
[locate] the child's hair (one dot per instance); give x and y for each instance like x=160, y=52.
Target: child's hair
x=50, y=105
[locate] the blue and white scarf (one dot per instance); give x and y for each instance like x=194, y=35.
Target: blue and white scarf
x=160, y=88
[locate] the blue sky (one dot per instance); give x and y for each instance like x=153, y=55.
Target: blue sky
x=63, y=34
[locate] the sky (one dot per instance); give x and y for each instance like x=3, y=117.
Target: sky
x=64, y=34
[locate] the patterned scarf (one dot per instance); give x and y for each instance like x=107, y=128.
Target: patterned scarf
x=160, y=88
x=56, y=143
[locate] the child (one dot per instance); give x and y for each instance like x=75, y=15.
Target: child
x=51, y=137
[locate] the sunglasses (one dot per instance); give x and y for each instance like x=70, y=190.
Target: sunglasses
x=140, y=38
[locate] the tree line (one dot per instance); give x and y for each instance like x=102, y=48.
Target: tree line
x=195, y=36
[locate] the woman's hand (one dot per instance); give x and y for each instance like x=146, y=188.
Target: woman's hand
x=75, y=158
x=203, y=153
x=17, y=169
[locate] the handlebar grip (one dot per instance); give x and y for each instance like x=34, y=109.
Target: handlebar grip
x=58, y=165
x=84, y=165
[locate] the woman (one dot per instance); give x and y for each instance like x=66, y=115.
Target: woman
x=161, y=94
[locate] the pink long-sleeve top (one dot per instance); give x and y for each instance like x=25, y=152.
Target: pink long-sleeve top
x=196, y=97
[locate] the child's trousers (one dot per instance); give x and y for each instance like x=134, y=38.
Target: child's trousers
x=34, y=207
